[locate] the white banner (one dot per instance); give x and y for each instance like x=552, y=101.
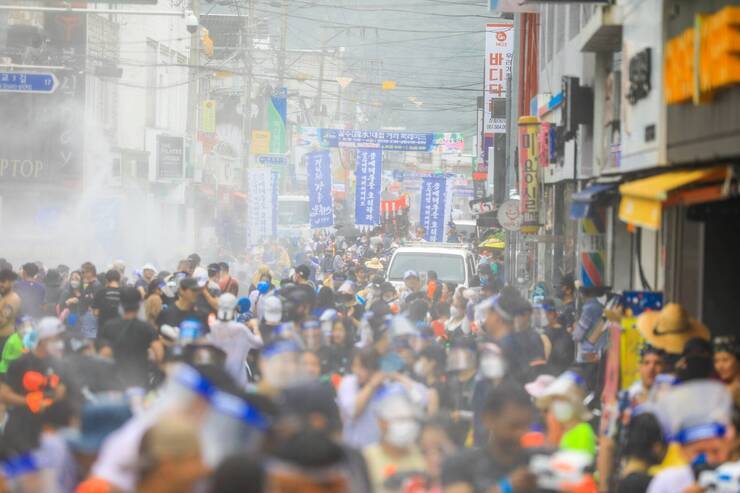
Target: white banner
x=259, y=205
x=499, y=59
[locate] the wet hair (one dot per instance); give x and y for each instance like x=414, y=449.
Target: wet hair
x=368, y=358
x=438, y=355
x=113, y=276
x=643, y=433
x=88, y=267
x=224, y=266
x=325, y=298
x=241, y=473
x=506, y=393
x=31, y=269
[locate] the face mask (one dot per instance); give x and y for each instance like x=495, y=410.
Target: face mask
x=563, y=411
x=402, y=433
x=74, y=284
x=55, y=348
x=492, y=367
x=420, y=369
x=263, y=287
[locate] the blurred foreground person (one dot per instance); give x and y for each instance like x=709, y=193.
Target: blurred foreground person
x=32, y=384
x=698, y=416
x=645, y=448
x=396, y=453
x=170, y=457
x=358, y=397
x=501, y=465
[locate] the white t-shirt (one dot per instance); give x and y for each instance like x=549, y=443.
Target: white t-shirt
x=235, y=339
x=672, y=480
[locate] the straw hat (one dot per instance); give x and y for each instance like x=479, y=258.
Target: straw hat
x=374, y=264
x=670, y=328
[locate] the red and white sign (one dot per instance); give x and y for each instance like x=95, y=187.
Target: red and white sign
x=499, y=59
x=509, y=215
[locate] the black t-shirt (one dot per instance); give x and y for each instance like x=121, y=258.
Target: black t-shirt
x=173, y=316
x=27, y=375
x=106, y=301
x=130, y=340
x=563, y=351
x=637, y=482
x=478, y=468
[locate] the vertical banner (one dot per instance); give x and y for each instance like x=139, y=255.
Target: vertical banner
x=368, y=169
x=260, y=142
x=276, y=120
x=499, y=59
x=433, y=207
x=321, y=210
x=208, y=116
x=259, y=205
x=528, y=169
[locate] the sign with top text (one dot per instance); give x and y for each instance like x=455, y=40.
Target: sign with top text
x=499, y=59
x=25, y=82
x=388, y=141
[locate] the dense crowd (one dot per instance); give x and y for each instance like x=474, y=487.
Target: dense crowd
x=308, y=371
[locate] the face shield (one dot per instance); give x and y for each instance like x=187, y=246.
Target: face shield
x=282, y=366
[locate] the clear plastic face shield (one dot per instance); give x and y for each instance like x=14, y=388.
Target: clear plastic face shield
x=281, y=364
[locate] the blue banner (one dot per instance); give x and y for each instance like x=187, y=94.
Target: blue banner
x=387, y=141
x=432, y=217
x=368, y=169
x=321, y=208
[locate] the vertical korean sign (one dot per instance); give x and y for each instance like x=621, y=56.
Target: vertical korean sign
x=276, y=120
x=321, y=210
x=368, y=170
x=528, y=169
x=260, y=206
x=433, y=207
x=499, y=58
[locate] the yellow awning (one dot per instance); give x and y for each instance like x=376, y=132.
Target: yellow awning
x=643, y=200
x=493, y=243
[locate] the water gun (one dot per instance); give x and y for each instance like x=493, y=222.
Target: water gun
x=724, y=479
x=564, y=471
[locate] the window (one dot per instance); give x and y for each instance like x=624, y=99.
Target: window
x=449, y=268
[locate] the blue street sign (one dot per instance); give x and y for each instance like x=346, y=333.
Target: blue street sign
x=272, y=159
x=44, y=83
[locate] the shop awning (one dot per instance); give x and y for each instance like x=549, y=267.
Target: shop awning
x=583, y=200
x=493, y=243
x=643, y=200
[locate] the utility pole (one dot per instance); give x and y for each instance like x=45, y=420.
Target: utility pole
x=193, y=85
x=245, y=42
x=283, y=42
x=320, y=89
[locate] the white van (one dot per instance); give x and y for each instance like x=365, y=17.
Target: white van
x=452, y=262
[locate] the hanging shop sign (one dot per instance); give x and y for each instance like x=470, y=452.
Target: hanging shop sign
x=388, y=141
x=499, y=59
x=277, y=114
x=510, y=216
x=260, y=142
x=262, y=205
x=320, y=202
x=208, y=116
x=528, y=169
x=368, y=169
x=169, y=157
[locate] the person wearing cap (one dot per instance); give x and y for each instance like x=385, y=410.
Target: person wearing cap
x=727, y=363
x=207, y=302
x=234, y=338
x=184, y=307
x=396, y=452
x=567, y=415
x=32, y=384
x=563, y=349
x=133, y=342
x=147, y=275
x=270, y=319
x=698, y=416
x=302, y=274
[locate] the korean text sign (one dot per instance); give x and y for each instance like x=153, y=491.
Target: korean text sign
x=432, y=214
x=528, y=169
x=368, y=170
x=499, y=59
x=318, y=168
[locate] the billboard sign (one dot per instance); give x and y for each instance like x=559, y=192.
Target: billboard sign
x=499, y=59
x=169, y=157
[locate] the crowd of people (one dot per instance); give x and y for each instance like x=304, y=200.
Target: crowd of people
x=312, y=372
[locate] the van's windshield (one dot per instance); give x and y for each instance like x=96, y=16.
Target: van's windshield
x=449, y=268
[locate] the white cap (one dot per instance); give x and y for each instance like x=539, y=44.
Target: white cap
x=149, y=267
x=696, y=410
x=272, y=309
x=226, y=306
x=49, y=327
